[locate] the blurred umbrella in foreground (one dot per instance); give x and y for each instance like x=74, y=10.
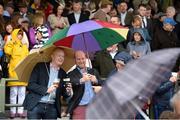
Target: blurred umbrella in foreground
x=126, y=92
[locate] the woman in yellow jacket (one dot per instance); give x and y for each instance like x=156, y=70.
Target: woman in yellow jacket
x=17, y=50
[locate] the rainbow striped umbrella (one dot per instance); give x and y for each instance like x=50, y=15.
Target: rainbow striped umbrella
x=89, y=36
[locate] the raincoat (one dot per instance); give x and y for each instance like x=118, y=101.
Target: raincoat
x=17, y=52
x=141, y=47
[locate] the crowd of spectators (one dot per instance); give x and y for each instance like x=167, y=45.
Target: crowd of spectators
x=26, y=25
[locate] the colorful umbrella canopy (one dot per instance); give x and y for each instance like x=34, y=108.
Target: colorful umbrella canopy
x=89, y=36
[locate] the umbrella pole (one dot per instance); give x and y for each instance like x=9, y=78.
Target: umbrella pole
x=139, y=110
x=86, y=50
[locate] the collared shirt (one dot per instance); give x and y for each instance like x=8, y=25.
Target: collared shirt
x=6, y=13
x=144, y=22
x=123, y=16
x=88, y=92
x=23, y=15
x=77, y=17
x=50, y=98
x=113, y=53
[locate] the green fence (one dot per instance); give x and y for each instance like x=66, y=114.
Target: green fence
x=3, y=94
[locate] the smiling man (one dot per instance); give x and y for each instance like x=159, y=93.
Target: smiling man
x=43, y=98
x=83, y=79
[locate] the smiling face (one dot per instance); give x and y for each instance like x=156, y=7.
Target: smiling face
x=9, y=28
x=77, y=6
x=80, y=59
x=57, y=57
x=142, y=11
x=108, y=8
x=23, y=10
x=113, y=12
x=137, y=22
x=137, y=37
x=20, y=35
x=122, y=7
x=60, y=10
x=115, y=20
x=170, y=12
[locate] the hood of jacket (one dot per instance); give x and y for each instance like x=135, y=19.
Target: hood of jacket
x=140, y=31
x=14, y=34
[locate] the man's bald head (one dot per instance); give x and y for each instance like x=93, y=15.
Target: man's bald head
x=79, y=53
x=57, y=56
x=80, y=58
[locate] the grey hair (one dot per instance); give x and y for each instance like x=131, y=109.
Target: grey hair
x=171, y=8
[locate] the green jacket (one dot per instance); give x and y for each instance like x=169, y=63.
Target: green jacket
x=103, y=62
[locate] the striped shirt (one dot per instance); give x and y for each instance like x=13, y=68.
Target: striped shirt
x=44, y=31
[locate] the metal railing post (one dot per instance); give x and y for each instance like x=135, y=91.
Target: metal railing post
x=3, y=92
x=2, y=95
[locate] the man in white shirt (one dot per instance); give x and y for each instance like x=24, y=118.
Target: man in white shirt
x=124, y=15
x=146, y=23
x=142, y=13
x=78, y=15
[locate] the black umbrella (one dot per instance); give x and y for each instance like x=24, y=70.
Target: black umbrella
x=126, y=92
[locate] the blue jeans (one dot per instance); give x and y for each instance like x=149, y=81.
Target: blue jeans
x=43, y=111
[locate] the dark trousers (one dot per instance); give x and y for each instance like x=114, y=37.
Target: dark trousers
x=43, y=111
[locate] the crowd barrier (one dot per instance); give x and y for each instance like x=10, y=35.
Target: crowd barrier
x=3, y=103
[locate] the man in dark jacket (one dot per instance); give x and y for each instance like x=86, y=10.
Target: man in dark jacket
x=162, y=96
x=83, y=80
x=104, y=60
x=45, y=88
x=124, y=15
x=78, y=15
x=165, y=37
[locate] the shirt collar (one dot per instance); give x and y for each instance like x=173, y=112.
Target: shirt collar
x=53, y=67
x=123, y=13
x=87, y=68
x=79, y=12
